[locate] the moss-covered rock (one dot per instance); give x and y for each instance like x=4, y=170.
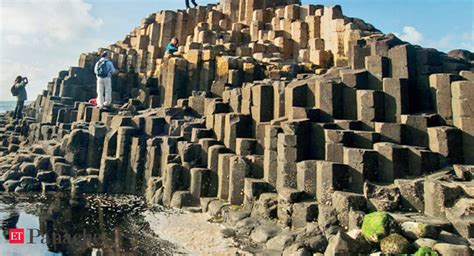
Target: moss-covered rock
x=378, y=225
x=394, y=244
x=415, y=230
x=425, y=251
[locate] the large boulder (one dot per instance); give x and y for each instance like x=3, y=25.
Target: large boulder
x=452, y=249
x=415, y=230
x=394, y=244
x=378, y=225
x=341, y=244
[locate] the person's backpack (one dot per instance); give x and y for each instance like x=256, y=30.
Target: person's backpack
x=102, y=69
x=14, y=90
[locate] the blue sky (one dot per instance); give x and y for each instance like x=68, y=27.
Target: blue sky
x=41, y=37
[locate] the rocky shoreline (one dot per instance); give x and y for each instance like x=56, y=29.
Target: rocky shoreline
x=299, y=129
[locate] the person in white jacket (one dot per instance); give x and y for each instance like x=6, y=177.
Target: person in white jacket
x=104, y=69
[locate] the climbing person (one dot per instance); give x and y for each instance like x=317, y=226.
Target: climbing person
x=104, y=69
x=19, y=90
x=192, y=1
x=172, y=46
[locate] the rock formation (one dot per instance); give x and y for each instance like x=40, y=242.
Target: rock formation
x=270, y=110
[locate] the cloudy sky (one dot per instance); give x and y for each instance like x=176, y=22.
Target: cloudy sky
x=41, y=37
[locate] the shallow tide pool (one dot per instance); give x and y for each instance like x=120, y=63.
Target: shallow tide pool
x=96, y=225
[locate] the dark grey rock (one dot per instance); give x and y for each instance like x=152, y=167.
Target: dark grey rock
x=28, y=169
x=63, y=182
x=281, y=241
x=29, y=184
x=46, y=176
x=262, y=233
x=12, y=175
x=227, y=232
x=10, y=185
x=49, y=187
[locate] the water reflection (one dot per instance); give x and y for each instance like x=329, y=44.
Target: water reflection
x=57, y=225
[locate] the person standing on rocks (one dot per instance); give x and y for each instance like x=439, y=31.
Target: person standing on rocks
x=104, y=69
x=19, y=90
x=172, y=46
x=192, y=1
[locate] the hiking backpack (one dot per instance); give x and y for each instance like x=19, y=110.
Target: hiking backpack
x=102, y=69
x=14, y=90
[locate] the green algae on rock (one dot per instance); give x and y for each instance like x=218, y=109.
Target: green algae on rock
x=394, y=244
x=425, y=251
x=377, y=225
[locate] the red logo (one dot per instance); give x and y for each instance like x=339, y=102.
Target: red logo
x=17, y=235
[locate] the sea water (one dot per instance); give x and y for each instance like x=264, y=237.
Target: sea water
x=7, y=106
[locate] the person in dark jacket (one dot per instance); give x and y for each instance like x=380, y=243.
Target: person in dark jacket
x=192, y=1
x=172, y=46
x=20, y=84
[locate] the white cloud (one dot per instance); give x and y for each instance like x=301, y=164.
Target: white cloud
x=41, y=37
x=46, y=21
x=411, y=35
x=445, y=43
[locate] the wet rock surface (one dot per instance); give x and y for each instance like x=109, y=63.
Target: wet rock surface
x=93, y=224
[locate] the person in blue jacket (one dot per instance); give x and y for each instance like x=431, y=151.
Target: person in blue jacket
x=172, y=47
x=192, y=1
x=20, y=84
x=104, y=69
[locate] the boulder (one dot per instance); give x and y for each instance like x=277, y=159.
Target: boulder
x=280, y=241
x=29, y=184
x=262, y=233
x=378, y=225
x=46, y=176
x=341, y=244
x=28, y=169
x=10, y=185
x=424, y=242
x=312, y=238
x=382, y=198
x=63, y=169
x=415, y=230
x=394, y=244
x=64, y=182
x=85, y=184
x=181, y=199
x=452, y=249
x=49, y=187
x=227, y=232
x=461, y=215
x=266, y=206
x=297, y=250
x=12, y=175
x=425, y=251
x=42, y=162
